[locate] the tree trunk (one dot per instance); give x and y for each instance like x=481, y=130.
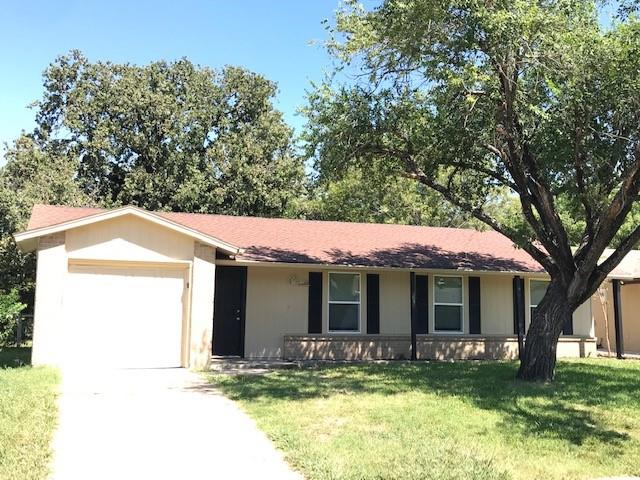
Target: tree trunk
x=539, y=360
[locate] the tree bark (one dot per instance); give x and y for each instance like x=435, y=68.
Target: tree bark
x=539, y=360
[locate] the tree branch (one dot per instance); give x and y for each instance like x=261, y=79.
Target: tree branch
x=541, y=257
x=612, y=218
x=605, y=268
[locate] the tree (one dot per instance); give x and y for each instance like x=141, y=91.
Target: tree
x=171, y=136
x=10, y=308
x=376, y=197
x=166, y=136
x=467, y=96
x=31, y=175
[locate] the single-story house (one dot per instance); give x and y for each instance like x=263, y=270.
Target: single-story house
x=132, y=288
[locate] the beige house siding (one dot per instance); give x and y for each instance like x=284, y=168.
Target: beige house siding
x=630, y=295
x=120, y=241
x=277, y=307
x=201, y=306
x=582, y=317
x=50, y=281
x=496, y=304
x=277, y=300
x=128, y=238
x=395, y=303
x=583, y=321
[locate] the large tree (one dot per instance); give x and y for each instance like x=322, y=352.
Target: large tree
x=165, y=136
x=469, y=96
x=171, y=136
x=371, y=195
x=32, y=174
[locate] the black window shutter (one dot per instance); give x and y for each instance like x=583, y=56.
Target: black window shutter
x=373, y=303
x=315, y=302
x=567, y=328
x=474, y=305
x=518, y=305
x=422, y=304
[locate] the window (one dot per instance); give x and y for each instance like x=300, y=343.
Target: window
x=447, y=302
x=344, y=302
x=537, y=289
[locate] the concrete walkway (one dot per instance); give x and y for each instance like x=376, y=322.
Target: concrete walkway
x=156, y=424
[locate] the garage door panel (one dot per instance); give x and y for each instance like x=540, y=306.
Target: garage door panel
x=125, y=317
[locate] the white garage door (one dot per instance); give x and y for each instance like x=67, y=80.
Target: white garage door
x=124, y=317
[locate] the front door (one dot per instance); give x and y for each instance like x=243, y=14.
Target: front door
x=229, y=311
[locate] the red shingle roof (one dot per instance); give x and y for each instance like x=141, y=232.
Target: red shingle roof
x=339, y=243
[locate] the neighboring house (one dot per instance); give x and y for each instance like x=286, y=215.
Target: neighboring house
x=622, y=304
x=131, y=288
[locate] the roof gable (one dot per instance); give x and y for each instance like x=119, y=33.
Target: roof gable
x=46, y=220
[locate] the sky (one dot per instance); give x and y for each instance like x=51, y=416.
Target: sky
x=280, y=39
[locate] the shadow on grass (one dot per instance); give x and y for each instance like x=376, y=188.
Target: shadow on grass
x=559, y=410
x=13, y=357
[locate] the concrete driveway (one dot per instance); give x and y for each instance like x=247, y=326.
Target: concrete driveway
x=156, y=424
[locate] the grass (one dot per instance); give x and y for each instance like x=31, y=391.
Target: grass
x=28, y=415
x=463, y=420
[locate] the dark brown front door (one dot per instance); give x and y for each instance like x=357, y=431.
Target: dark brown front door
x=229, y=311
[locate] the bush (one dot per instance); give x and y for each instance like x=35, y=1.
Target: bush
x=10, y=309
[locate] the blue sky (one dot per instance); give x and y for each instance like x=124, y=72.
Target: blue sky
x=271, y=37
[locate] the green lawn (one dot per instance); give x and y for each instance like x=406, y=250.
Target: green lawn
x=449, y=420
x=27, y=416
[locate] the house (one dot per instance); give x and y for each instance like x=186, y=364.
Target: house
x=619, y=303
x=133, y=288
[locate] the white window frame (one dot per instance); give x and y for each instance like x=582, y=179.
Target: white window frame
x=461, y=305
x=344, y=302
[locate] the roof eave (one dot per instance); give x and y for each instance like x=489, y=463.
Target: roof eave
x=28, y=241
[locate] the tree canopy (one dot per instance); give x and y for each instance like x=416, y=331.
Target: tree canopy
x=469, y=97
x=164, y=136
x=171, y=136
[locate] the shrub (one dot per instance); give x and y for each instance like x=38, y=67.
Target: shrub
x=10, y=309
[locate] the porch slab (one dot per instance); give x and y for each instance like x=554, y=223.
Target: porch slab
x=247, y=366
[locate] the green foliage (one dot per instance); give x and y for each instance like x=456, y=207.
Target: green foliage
x=171, y=136
x=10, y=309
x=165, y=136
x=375, y=197
x=469, y=91
x=33, y=174
x=475, y=100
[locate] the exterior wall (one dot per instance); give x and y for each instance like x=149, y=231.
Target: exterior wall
x=50, y=282
x=277, y=302
x=496, y=304
x=582, y=317
x=202, y=295
x=123, y=239
x=128, y=238
x=583, y=321
x=630, y=296
x=395, y=303
x=430, y=347
x=277, y=307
